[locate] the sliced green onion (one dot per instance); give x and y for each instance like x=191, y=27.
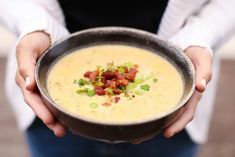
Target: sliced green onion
x=121, y=69
x=100, y=84
x=131, y=86
x=98, y=66
x=122, y=88
x=138, y=92
x=110, y=91
x=145, y=87
x=93, y=105
x=91, y=93
x=82, y=91
x=81, y=82
x=155, y=80
x=139, y=80
x=129, y=65
x=75, y=81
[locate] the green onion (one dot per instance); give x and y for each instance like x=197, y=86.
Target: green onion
x=145, y=87
x=110, y=91
x=121, y=69
x=100, y=84
x=91, y=93
x=139, y=80
x=88, y=92
x=75, y=81
x=138, y=92
x=122, y=88
x=131, y=86
x=110, y=66
x=93, y=105
x=149, y=76
x=82, y=91
x=82, y=82
x=129, y=65
x=98, y=66
x=155, y=80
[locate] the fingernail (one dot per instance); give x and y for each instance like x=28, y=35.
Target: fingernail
x=27, y=81
x=203, y=82
x=171, y=134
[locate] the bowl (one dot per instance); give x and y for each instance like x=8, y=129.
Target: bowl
x=115, y=133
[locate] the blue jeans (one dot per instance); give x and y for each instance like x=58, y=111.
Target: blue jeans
x=43, y=143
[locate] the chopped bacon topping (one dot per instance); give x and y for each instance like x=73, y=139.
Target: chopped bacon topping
x=91, y=75
x=99, y=91
x=112, y=80
x=116, y=99
x=115, y=78
x=106, y=104
x=131, y=74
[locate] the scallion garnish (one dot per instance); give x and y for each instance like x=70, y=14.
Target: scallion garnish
x=110, y=91
x=145, y=87
x=93, y=105
x=155, y=80
x=82, y=82
x=138, y=92
x=91, y=93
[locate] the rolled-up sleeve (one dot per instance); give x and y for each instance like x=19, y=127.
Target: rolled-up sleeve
x=209, y=27
x=25, y=16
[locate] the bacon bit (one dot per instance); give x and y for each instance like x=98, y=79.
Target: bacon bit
x=106, y=104
x=122, y=82
x=87, y=74
x=135, y=66
x=126, y=70
x=119, y=75
x=117, y=91
x=99, y=91
x=131, y=74
x=113, y=84
x=93, y=75
x=107, y=83
x=108, y=75
x=116, y=99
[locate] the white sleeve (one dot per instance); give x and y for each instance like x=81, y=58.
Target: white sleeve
x=211, y=26
x=26, y=16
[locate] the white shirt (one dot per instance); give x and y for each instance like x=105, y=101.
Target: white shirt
x=205, y=23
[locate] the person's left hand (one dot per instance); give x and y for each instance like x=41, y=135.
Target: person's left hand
x=202, y=61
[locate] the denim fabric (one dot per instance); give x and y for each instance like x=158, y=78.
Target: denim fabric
x=43, y=143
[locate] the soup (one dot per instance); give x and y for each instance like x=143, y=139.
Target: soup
x=115, y=84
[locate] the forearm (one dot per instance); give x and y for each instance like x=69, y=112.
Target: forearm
x=210, y=27
x=23, y=17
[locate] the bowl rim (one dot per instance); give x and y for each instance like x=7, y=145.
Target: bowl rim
x=146, y=34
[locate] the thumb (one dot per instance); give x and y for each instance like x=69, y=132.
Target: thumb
x=26, y=65
x=28, y=51
x=202, y=61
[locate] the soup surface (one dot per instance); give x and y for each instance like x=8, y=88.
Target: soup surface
x=155, y=88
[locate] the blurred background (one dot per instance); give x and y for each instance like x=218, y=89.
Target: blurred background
x=222, y=132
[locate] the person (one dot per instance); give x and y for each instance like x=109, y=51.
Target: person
x=196, y=26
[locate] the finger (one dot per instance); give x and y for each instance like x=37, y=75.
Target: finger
x=202, y=61
x=58, y=129
x=186, y=116
x=34, y=100
x=28, y=50
x=203, y=74
x=26, y=57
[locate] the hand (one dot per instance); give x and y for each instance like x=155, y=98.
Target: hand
x=28, y=50
x=202, y=61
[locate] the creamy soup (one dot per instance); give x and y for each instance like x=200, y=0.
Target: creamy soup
x=153, y=88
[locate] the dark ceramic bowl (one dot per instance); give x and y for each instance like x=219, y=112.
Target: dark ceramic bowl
x=115, y=35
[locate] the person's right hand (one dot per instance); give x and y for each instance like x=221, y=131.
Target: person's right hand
x=28, y=50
